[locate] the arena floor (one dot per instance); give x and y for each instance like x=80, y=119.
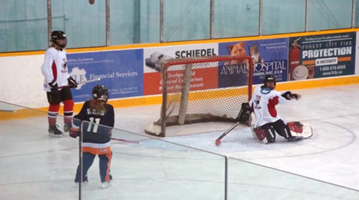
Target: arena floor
x=187, y=165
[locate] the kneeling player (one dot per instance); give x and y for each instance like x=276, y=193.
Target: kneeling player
x=96, y=139
x=263, y=104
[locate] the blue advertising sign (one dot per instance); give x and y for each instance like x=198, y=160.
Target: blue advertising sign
x=120, y=71
x=320, y=56
x=268, y=56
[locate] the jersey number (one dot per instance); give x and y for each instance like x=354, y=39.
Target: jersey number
x=95, y=125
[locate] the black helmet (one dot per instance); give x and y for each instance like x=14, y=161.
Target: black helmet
x=100, y=92
x=58, y=35
x=269, y=78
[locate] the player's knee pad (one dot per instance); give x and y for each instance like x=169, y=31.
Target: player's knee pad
x=54, y=108
x=282, y=129
x=68, y=107
x=270, y=134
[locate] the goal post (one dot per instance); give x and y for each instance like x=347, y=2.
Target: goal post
x=202, y=89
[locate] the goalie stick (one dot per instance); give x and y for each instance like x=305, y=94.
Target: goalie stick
x=218, y=140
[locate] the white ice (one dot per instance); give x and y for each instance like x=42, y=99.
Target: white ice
x=326, y=166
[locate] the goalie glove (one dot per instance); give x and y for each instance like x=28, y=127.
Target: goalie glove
x=244, y=113
x=72, y=82
x=289, y=95
x=295, y=96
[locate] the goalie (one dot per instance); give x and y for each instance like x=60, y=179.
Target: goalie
x=268, y=122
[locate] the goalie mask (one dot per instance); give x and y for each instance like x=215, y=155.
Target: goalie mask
x=100, y=93
x=58, y=35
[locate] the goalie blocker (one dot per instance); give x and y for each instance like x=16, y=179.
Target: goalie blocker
x=298, y=129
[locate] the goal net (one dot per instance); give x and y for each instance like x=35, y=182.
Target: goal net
x=202, y=89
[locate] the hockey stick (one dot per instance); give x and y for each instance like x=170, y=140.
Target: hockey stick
x=89, y=81
x=218, y=140
x=84, y=82
x=1, y=110
x=127, y=141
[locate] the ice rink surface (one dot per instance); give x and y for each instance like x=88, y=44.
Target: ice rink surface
x=35, y=166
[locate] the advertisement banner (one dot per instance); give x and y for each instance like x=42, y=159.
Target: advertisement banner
x=120, y=71
x=321, y=56
x=268, y=57
x=356, y=70
x=201, y=78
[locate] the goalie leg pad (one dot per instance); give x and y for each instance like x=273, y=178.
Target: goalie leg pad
x=264, y=135
x=300, y=129
x=282, y=129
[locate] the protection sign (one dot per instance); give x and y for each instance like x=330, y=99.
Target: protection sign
x=321, y=56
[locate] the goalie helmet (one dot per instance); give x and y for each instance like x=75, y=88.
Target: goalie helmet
x=100, y=93
x=268, y=78
x=56, y=36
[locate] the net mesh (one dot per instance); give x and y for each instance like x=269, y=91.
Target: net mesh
x=204, y=89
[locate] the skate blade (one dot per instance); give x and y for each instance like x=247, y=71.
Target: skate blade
x=55, y=135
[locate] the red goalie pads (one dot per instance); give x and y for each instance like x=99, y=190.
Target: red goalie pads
x=299, y=129
x=260, y=134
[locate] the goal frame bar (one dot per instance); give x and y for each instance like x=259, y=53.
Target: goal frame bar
x=166, y=65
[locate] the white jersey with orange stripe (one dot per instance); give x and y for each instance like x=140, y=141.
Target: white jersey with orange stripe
x=55, y=68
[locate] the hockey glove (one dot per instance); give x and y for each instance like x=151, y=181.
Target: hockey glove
x=295, y=96
x=54, y=87
x=244, y=113
x=74, y=132
x=72, y=82
x=289, y=95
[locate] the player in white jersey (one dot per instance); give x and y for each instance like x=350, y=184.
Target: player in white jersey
x=58, y=82
x=263, y=104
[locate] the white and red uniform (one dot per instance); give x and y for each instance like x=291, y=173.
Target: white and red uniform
x=55, y=68
x=263, y=103
x=55, y=71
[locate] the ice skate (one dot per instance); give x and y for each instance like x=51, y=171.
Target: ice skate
x=54, y=131
x=84, y=183
x=67, y=127
x=105, y=184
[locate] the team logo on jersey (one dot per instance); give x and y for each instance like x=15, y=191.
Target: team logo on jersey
x=265, y=90
x=79, y=75
x=64, y=64
x=256, y=102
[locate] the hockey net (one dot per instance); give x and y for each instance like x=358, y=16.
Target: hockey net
x=202, y=89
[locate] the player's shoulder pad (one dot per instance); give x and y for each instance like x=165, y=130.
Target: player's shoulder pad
x=51, y=50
